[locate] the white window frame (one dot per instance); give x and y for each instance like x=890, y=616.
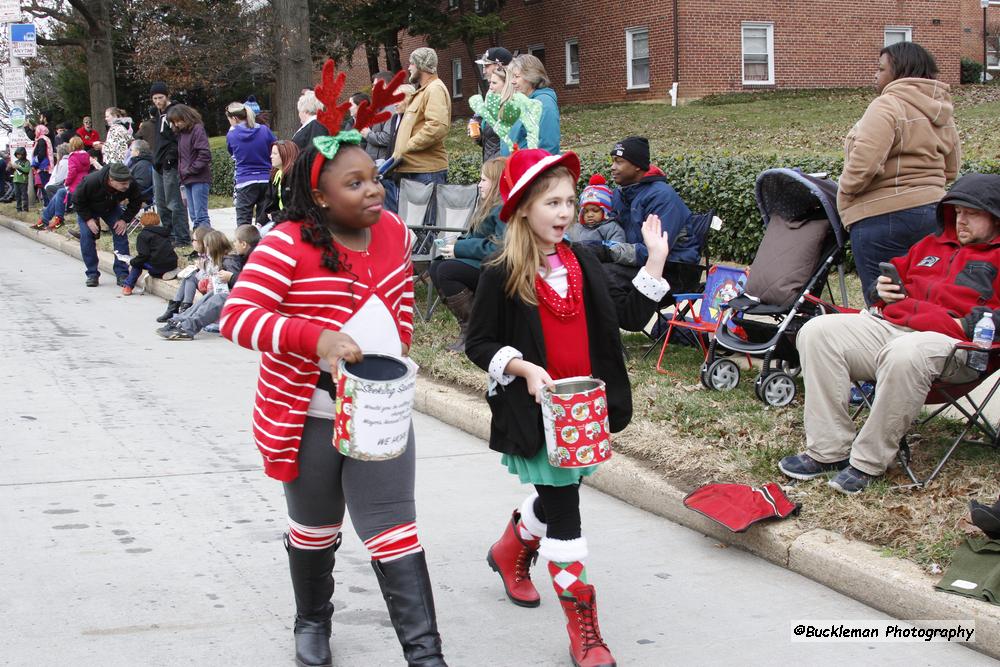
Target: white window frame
x=452, y=5
x=629, y=35
x=570, y=81
x=770, y=53
x=906, y=30
x=456, y=81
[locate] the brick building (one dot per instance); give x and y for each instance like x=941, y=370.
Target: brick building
x=972, y=33
x=601, y=51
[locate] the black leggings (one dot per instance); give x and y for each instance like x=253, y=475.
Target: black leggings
x=451, y=276
x=559, y=508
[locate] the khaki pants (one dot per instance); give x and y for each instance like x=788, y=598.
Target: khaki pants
x=837, y=350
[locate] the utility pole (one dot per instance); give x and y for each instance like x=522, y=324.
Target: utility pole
x=14, y=82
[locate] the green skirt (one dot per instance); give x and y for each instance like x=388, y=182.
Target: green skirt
x=538, y=470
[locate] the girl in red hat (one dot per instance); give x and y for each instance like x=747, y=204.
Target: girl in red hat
x=543, y=312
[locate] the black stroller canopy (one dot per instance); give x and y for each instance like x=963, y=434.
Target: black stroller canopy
x=796, y=196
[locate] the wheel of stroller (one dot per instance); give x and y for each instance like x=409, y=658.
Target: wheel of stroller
x=721, y=375
x=777, y=389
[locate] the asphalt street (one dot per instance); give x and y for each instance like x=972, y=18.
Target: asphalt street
x=139, y=529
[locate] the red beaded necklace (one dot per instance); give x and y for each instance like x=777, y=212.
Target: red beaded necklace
x=563, y=307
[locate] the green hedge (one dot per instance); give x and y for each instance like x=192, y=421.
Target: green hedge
x=724, y=183
x=223, y=172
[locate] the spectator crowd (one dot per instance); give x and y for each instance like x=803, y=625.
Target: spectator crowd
x=628, y=238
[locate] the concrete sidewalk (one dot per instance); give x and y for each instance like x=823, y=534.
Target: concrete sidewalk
x=146, y=533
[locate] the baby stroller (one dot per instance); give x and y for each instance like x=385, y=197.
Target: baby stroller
x=803, y=240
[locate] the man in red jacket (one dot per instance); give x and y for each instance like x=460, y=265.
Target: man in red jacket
x=948, y=281
x=91, y=139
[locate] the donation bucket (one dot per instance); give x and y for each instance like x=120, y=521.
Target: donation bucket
x=374, y=403
x=575, y=416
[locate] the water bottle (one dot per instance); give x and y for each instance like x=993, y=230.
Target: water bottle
x=983, y=339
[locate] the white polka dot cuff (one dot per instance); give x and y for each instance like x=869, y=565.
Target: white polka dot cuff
x=499, y=362
x=652, y=288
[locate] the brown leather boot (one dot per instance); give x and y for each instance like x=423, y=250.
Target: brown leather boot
x=460, y=306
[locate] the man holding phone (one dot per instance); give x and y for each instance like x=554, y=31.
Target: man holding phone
x=926, y=302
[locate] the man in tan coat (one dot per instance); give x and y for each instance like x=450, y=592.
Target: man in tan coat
x=419, y=149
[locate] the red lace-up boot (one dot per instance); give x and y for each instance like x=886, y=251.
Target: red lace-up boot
x=586, y=647
x=511, y=557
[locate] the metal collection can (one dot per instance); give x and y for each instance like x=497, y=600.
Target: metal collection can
x=575, y=418
x=374, y=403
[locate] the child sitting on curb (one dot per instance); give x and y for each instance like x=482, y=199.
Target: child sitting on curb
x=594, y=227
x=153, y=253
x=186, y=325
x=184, y=298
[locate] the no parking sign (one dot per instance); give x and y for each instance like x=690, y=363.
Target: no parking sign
x=23, y=43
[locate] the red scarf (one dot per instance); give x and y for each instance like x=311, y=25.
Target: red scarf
x=568, y=307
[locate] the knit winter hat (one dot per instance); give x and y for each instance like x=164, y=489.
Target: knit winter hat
x=158, y=88
x=597, y=193
x=426, y=59
x=633, y=149
x=119, y=172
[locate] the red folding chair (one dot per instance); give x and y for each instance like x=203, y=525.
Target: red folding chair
x=722, y=283
x=959, y=397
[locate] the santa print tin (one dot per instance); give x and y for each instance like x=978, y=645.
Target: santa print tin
x=575, y=417
x=374, y=403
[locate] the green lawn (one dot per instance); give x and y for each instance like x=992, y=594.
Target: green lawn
x=812, y=122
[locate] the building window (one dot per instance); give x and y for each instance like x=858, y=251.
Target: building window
x=758, y=54
x=894, y=35
x=637, y=57
x=537, y=50
x=456, y=77
x=452, y=5
x=572, y=62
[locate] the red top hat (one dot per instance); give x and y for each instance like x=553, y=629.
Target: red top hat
x=523, y=167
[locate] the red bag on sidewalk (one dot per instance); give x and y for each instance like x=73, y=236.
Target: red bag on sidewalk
x=739, y=506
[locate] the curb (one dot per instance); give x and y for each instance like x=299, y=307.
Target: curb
x=894, y=586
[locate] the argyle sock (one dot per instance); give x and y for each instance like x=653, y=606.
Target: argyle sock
x=568, y=577
x=566, y=564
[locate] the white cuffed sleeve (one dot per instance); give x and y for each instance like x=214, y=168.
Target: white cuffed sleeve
x=652, y=288
x=499, y=362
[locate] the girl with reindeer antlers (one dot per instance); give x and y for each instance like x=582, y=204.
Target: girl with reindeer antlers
x=331, y=281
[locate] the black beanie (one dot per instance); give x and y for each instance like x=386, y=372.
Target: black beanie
x=158, y=88
x=633, y=149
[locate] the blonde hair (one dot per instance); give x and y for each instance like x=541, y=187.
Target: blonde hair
x=408, y=91
x=241, y=112
x=532, y=69
x=493, y=172
x=507, y=91
x=521, y=256
x=309, y=104
x=217, y=246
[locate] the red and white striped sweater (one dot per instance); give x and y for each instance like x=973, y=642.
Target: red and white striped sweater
x=283, y=301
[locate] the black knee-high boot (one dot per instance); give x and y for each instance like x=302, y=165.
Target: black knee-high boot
x=406, y=587
x=312, y=581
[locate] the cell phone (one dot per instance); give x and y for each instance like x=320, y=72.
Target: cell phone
x=888, y=270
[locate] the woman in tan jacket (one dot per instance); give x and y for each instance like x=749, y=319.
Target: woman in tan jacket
x=899, y=157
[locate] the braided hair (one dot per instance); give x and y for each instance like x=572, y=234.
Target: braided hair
x=301, y=208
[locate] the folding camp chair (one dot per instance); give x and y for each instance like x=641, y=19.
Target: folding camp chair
x=455, y=204
x=684, y=278
x=959, y=397
x=721, y=284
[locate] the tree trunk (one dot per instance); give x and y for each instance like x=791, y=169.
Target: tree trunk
x=392, y=61
x=371, y=54
x=291, y=35
x=100, y=65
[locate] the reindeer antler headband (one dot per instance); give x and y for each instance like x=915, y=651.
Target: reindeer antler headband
x=327, y=92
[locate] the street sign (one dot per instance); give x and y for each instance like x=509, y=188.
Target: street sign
x=18, y=139
x=10, y=11
x=14, y=85
x=22, y=40
x=17, y=117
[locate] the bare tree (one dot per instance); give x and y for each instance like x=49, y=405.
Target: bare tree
x=91, y=19
x=291, y=35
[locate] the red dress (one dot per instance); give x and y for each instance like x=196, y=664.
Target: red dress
x=564, y=320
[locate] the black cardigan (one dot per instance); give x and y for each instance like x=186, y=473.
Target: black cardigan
x=498, y=321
